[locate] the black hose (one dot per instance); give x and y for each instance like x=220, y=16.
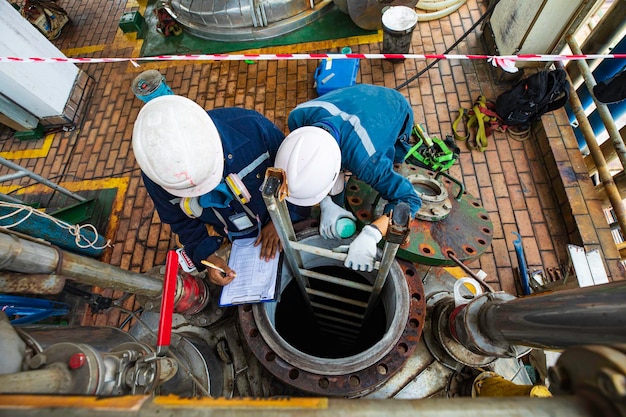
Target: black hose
x=130, y=317
x=470, y=30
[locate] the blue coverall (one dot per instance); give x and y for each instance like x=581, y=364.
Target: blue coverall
x=249, y=140
x=372, y=125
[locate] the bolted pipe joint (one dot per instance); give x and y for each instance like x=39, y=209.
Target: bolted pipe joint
x=467, y=326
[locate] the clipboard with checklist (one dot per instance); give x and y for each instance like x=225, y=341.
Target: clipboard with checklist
x=256, y=279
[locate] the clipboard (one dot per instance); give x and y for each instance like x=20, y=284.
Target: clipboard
x=256, y=281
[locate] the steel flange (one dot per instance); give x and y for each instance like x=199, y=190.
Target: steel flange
x=327, y=382
x=465, y=232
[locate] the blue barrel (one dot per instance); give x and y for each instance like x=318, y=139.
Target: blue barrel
x=150, y=84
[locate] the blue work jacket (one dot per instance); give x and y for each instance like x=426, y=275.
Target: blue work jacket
x=372, y=125
x=247, y=137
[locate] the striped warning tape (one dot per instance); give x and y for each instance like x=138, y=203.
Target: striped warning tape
x=507, y=62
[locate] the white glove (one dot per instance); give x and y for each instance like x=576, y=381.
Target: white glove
x=362, y=251
x=330, y=213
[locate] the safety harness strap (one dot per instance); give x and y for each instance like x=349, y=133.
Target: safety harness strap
x=432, y=151
x=483, y=118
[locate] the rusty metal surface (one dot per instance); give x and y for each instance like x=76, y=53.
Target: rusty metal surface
x=421, y=377
x=441, y=332
x=432, y=342
x=16, y=283
x=465, y=233
x=354, y=384
x=470, y=331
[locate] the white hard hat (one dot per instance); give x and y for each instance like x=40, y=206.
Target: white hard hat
x=178, y=146
x=311, y=159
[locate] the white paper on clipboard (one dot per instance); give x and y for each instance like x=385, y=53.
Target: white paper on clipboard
x=256, y=278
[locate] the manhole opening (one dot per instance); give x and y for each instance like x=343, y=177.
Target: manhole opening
x=335, y=339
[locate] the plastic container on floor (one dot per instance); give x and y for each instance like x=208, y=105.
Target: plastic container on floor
x=332, y=74
x=398, y=24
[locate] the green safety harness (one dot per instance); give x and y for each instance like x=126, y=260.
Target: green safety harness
x=432, y=152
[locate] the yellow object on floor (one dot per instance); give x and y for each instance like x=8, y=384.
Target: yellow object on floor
x=490, y=384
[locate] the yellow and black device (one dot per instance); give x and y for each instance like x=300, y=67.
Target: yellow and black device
x=238, y=188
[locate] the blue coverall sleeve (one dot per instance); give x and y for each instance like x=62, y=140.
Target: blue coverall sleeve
x=192, y=233
x=298, y=118
x=379, y=174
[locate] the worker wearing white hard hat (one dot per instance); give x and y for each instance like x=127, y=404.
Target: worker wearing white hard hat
x=361, y=130
x=206, y=168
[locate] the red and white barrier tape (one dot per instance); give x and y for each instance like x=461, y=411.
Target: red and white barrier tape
x=506, y=62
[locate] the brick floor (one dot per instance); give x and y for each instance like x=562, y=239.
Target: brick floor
x=533, y=187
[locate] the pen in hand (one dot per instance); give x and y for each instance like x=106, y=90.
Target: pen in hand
x=212, y=265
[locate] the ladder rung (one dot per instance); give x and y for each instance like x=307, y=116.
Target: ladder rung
x=337, y=310
x=341, y=340
x=335, y=280
x=340, y=331
x=330, y=296
x=323, y=252
x=338, y=320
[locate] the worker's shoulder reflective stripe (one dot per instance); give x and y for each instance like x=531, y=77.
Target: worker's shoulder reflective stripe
x=175, y=201
x=253, y=165
x=350, y=118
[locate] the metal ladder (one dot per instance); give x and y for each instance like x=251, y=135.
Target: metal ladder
x=23, y=172
x=353, y=312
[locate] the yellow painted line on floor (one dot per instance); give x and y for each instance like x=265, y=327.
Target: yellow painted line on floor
x=31, y=153
x=126, y=40
x=129, y=40
x=86, y=185
x=314, y=46
x=331, y=45
x=121, y=41
x=127, y=403
x=249, y=403
x=137, y=4
x=79, y=52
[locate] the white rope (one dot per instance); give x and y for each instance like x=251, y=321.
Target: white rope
x=74, y=230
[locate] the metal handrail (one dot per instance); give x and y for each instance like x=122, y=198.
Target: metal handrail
x=23, y=172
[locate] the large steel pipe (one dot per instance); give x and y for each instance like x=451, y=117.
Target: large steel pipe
x=590, y=315
x=52, y=379
x=31, y=257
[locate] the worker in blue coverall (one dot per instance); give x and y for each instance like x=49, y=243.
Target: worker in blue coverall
x=186, y=154
x=363, y=130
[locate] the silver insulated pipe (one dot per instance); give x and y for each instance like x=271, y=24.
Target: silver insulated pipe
x=31, y=257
